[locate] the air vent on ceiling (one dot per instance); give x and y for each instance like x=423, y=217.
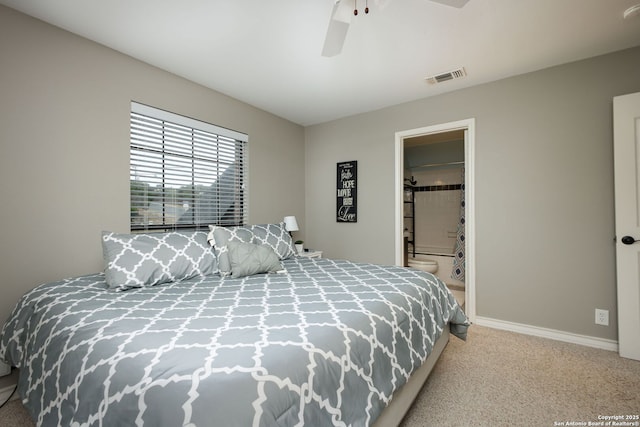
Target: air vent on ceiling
x=449, y=75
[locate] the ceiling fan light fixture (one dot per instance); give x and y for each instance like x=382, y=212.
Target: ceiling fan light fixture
x=355, y=7
x=342, y=14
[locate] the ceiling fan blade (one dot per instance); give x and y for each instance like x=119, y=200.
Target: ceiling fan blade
x=334, y=40
x=341, y=18
x=452, y=3
x=337, y=29
x=382, y=4
x=342, y=11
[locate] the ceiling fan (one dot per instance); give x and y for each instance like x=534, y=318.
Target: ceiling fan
x=341, y=15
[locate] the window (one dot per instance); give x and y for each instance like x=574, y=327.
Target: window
x=184, y=173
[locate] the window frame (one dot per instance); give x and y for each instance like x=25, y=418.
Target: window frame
x=163, y=146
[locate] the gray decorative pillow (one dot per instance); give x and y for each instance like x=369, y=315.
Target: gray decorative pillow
x=139, y=260
x=248, y=259
x=219, y=238
x=276, y=236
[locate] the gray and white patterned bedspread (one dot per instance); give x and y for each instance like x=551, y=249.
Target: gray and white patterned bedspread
x=325, y=344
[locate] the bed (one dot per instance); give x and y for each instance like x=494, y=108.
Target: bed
x=244, y=333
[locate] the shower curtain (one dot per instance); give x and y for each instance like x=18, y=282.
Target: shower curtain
x=457, y=272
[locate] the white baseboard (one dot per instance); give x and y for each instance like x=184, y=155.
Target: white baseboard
x=553, y=334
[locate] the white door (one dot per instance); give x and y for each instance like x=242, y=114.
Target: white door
x=626, y=137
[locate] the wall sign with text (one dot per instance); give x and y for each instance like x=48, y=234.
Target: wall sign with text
x=347, y=192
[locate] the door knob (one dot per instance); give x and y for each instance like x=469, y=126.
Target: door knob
x=628, y=240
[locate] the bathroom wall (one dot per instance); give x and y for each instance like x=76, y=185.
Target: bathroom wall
x=432, y=161
x=437, y=209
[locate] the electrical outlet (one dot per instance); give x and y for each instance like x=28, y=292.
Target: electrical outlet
x=602, y=317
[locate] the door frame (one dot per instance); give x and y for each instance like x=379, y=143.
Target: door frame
x=470, y=204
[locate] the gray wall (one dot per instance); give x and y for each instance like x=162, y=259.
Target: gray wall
x=64, y=138
x=545, y=254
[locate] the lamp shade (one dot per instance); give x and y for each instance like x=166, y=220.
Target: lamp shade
x=290, y=223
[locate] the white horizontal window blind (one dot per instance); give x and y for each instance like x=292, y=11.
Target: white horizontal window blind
x=184, y=173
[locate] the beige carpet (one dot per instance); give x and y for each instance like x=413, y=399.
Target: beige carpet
x=500, y=378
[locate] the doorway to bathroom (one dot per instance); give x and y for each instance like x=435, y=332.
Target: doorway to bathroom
x=435, y=223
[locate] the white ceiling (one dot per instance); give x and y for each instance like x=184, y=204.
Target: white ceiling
x=267, y=53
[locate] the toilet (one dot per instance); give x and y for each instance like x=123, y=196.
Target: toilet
x=428, y=265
